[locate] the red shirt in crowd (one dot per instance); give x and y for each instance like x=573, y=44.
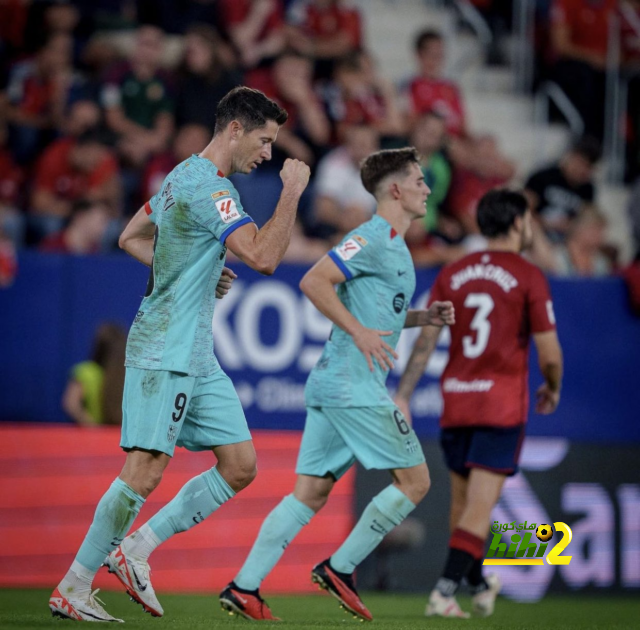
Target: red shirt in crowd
x=56, y=174
x=11, y=178
x=442, y=97
x=29, y=92
x=334, y=19
x=154, y=174
x=467, y=188
x=237, y=11
x=500, y=301
x=587, y=21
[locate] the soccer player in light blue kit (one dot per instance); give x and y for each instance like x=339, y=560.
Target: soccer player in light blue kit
x=175, y=391
x=350, y=414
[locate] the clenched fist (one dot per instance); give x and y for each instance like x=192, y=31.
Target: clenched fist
x=295, y=175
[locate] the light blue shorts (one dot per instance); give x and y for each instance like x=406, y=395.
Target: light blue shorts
x=335, y=437
x=162, y=410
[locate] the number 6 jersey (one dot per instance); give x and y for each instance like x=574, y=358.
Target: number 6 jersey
x=500, y=300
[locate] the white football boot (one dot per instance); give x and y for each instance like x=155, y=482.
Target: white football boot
x=484, y=603
x=134, y=575
x=83, y=608
x=441, y=606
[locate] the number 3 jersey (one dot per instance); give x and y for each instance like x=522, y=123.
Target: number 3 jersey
x=195, y=211
x=500, y=299
x=380, y=282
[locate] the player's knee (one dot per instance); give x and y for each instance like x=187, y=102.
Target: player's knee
x=420, y=486
x=316, y=502
x=241, y=475
x=146, y=483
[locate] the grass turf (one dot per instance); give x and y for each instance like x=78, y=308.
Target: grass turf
x=22, y=609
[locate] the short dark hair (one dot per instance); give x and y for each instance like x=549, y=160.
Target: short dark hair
x=589, y=148
x=386, y=162
x=250, y=107
x=425, y=37
x=497, y=211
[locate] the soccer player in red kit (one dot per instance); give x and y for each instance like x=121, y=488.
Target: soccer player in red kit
x=500, y=300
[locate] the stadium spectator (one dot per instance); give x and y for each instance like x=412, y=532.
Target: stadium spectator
x=8, y=261
x=478, y=168
x=69, y=170
x=558, y=192
x=342, y=203
x=93, y=394
x=256, y=28
x=359, y=96
x=324, y=30
x=82, y=116
x=136, y=98
x=429, y=136
x=84, y=233
x=583, y=254
x=204, y=77
x=11, y=190
x=630, y=36
x=190, y=139
x=430, y=91
x=579, y=36
x=290, y=84
x=634, y=215
x=433, y=240
x=37, y=94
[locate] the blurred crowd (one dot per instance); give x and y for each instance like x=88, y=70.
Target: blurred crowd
x=100, y=99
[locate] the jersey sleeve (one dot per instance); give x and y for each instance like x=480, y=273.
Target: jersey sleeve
x=217, y=208
x=356, y=255
x=437, y=293
x=539, y=303
x=152, y=207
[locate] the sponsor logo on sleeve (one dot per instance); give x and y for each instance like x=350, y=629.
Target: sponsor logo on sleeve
x=227, y=209
x=360, y=239
x=550, y=314
x=222, y=193
x=348, y=249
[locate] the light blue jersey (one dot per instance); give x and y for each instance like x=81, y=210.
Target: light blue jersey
x=195, y=211
x=379, y=287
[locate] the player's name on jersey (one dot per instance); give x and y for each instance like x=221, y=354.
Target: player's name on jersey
x=493, y=273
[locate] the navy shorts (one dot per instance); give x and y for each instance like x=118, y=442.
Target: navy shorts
x=488, y=448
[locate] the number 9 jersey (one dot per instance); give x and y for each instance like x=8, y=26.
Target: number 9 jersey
x=500, y=301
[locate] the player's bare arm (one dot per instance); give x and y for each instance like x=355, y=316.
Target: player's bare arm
x=318, y=285
x=137, y=238
x=422, y=350
x=438, y=314
x=551, y=366
x=263, y=249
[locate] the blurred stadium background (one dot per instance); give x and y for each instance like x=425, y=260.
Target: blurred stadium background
x=101, y=98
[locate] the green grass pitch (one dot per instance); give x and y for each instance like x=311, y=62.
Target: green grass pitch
x=22, y=609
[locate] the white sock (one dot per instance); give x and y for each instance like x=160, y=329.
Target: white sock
x=77, y=582
x=141, y=543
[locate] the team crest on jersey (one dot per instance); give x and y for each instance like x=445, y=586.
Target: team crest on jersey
x=227, y=209
x=222, y=193
x=349, y=249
